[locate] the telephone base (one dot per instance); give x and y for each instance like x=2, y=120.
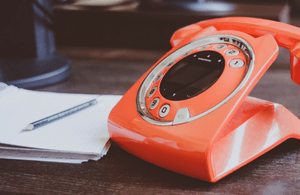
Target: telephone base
x=258, y=127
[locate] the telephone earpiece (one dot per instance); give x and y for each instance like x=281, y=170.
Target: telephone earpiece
x=286, y=36
x=191, y=113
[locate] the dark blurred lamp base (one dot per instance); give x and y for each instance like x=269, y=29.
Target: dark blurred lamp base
x=34, y=73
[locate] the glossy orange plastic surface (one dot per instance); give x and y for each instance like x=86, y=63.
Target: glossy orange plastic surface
x=227, y=138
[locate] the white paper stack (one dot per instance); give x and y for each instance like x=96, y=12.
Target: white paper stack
x=76, y=138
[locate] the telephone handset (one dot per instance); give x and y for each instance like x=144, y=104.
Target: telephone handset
x=190, y=112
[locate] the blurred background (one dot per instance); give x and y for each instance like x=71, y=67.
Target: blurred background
x=40, y=36
x=146, y=26
x=149, y=24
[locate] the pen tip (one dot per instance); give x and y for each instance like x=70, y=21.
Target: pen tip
x=28, y=127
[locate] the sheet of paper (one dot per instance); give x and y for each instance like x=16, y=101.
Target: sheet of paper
x=83, y=132
x=45, y=159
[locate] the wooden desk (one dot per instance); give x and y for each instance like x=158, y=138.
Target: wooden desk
x=113, y=72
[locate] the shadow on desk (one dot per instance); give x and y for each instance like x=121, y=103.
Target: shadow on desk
x=276, y=172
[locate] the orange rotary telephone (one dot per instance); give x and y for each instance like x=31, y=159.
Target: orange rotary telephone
x=190, y=112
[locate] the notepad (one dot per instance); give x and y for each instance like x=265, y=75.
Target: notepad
x=77, y=138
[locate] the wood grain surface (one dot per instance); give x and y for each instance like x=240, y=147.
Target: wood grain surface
x=114, y=72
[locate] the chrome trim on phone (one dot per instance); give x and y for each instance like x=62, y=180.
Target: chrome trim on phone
x=243, y=45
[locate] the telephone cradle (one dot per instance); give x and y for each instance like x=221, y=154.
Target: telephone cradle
x=191, y=113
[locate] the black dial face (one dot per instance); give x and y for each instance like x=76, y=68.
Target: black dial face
x=192, y=75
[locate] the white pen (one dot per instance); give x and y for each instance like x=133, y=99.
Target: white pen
x=60, y=115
